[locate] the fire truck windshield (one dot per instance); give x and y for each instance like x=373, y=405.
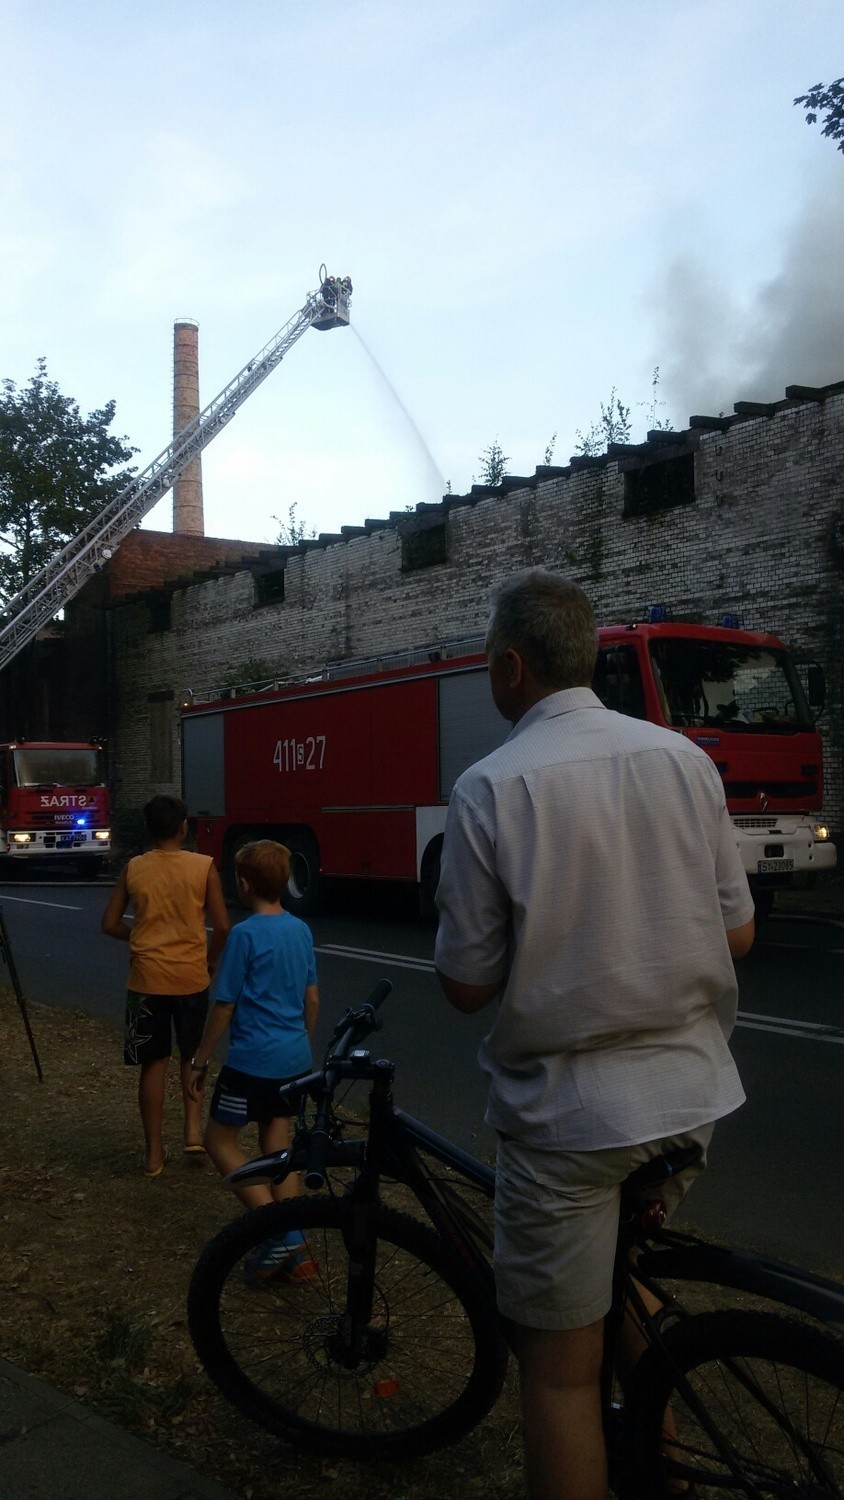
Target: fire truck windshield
x=726, y=685
x=57, y=765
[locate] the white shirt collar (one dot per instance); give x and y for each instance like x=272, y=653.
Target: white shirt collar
x=554, y=704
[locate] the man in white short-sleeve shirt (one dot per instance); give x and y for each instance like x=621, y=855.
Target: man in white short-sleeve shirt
x=591, y=883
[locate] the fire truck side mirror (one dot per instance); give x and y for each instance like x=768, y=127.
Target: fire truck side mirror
x=815, y=688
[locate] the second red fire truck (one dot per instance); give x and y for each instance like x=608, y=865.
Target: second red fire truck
x=54, y=804
x=352, y=769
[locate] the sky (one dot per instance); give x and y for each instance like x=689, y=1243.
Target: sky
x=537, y=201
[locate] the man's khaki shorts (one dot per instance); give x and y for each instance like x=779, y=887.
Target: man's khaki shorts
x=556, y=1223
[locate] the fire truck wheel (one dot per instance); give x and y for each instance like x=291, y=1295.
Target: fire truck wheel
x=239, y=842
x=430, y=880
x=302, y=894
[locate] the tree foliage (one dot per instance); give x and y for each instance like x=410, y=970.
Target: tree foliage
x=493, y=462
x=58, y=470
x=827, y=100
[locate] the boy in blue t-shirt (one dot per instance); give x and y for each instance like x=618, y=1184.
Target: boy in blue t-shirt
x=265, y=994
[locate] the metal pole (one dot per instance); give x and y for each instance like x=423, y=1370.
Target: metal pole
x=6, y=955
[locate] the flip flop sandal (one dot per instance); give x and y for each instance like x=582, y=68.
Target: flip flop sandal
x=193, y=1149
x=157, y=1171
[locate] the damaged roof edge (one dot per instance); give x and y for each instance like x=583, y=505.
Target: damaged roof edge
x=659, y=443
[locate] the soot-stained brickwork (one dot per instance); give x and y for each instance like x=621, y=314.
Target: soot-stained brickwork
x=742, y=513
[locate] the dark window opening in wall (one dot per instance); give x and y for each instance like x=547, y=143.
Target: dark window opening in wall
x=159, y=615
x=422, y=547
x=160, y=736
x=660, y=486
x=269, y=587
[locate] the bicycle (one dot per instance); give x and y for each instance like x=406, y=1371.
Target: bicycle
x=384, y=1341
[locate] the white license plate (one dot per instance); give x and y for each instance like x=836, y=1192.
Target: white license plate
x=773, y=866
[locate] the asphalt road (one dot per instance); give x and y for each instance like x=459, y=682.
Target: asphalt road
x=776, y=1179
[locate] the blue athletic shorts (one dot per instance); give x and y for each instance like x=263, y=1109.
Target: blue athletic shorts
x=241, y=1097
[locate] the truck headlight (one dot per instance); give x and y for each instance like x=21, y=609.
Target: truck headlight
x=820, y=833
x=21, y=838
x=103, y=834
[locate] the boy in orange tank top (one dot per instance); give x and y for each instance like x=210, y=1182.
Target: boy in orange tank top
x=171, y=893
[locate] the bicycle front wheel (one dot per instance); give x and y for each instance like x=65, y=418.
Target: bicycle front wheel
x=764, y=1415
x=427, y=1368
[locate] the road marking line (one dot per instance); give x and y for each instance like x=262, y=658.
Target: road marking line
x=798, y=947
x=809, y=1031
x=372, y=956
x=826, y=1034
x=27, y=901
x=755, y=1015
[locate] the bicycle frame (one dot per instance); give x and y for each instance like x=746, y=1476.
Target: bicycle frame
x=671, y=1255
x=398, y=1146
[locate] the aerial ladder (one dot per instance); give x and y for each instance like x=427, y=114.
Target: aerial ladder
x=66, y=573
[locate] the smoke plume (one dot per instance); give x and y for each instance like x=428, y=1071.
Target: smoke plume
x=789, y=332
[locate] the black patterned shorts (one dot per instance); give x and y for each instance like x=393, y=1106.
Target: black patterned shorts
x=152, y=1019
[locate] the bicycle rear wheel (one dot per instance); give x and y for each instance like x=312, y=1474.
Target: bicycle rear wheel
x=432, y=1359
x=771, y=1390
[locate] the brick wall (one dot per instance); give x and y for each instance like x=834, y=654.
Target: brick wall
x=763, y=536
x=149, y=559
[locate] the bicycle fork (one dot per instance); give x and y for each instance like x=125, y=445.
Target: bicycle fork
x=355, y=1341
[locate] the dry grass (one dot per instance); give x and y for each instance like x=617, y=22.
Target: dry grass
x=95, y=1272
x=96, y=1267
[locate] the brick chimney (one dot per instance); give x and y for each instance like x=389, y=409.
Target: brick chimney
x=188, y=518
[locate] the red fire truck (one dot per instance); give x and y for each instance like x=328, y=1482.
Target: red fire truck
x=352, y=769
x=54, y=803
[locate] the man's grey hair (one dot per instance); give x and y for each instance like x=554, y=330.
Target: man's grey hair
x=550, y=622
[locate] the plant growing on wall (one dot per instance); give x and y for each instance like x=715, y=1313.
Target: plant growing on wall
x=493, y=462
x=653, y=405
x=613, y=426
x=58, y=470
x=292, y=531
x=252, y=670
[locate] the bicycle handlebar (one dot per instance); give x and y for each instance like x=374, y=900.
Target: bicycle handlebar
x=354, y=1026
